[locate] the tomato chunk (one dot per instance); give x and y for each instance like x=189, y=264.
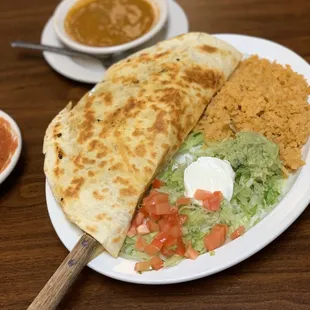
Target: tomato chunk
x=164, y=208
x=157, y=183
x=183, y=201
x=191, y=252
x=143, y=266
x=155, y=199
x=216, y=237
x=152, y=194
x=201, y=194
x=144, y=210
x=171, y=241
x=152, y=226
x=151, y=249
x=132, y=231
x=143, y=229
x=213, y=203
x=140, y=244
x=172, y=219
x=154, y=217
x=156, y=263
x=138, y=220
x=164, y=226
x=159, y=240
x=237, y=233
x=219, y=195
x=175, y=231
x=166, y=249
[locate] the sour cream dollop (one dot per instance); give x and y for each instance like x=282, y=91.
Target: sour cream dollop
x=210, y=174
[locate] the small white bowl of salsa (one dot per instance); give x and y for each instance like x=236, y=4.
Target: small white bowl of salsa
x=106, y=27
x=10, y=145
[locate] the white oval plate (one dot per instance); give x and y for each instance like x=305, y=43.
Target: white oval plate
x=284, y=214
x=92, y=71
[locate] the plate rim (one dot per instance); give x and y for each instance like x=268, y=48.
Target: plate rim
x=285, y=220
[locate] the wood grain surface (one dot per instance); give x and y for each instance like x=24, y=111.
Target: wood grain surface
x=278, y=277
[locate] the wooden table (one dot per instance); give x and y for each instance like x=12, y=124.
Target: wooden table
x=278, y=277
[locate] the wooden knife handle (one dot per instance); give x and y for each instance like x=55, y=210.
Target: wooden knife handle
x=58, y=285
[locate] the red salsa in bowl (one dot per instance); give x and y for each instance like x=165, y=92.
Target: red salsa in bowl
x=8, y=143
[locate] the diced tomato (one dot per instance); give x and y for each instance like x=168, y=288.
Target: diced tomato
x=162, y=197
x=140, y=244
x=172, y=219
x=166, y=249
x=157, y=183
x=148, y=209
x=138, y=220
x=164, y=226
x=152, y=226
x=154, y=217
x=167, y=252
x=143, y=229
x=151, y=249
x=237, y=233
x=175, y=231
x=155, y=199
x=144, y=210
x=180, y=250
x=148, y=204
x=216, y=237
x=149, y=196
x=213, y=203
x=190, y=252
x=132, y=231
x=205, y=204
x=171, y=241
x=143, y=266
x=164, y=208
x=182, y=219
x=156, y=263
x=219, y=195
x=160, y=239
x=183, y=201
x=201, y=194
x=174, y=210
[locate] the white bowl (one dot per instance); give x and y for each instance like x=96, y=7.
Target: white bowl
x=161, y=10
x=4, y=174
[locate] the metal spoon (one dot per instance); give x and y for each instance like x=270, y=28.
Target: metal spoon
x=57, y=50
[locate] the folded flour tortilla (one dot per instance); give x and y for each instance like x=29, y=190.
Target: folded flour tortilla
x=102, y=154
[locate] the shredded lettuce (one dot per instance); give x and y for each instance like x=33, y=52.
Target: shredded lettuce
x=258, y=185
x=129, y=251
x=198, y=224
x=194, y=139
x=259, y=179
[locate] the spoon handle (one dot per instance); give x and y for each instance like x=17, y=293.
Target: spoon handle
x=58, y=285
x=48, y=48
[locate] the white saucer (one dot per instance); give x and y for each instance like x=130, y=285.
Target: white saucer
x=92, y=71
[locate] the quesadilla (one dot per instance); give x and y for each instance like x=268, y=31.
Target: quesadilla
x=102, y=154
